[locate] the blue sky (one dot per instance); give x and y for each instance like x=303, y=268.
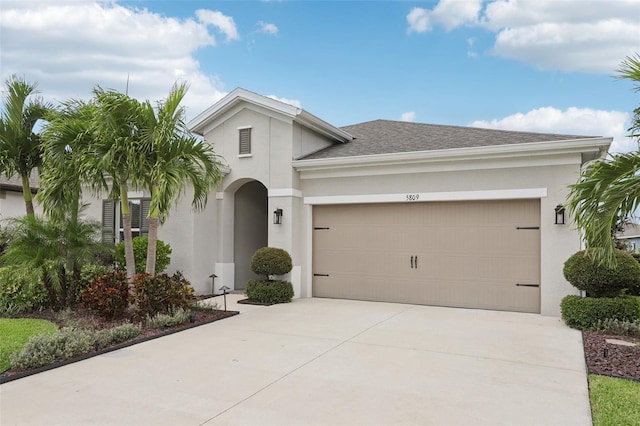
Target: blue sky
x=532, y=65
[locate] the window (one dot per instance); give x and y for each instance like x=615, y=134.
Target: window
x=245, y=141
x=112, y=219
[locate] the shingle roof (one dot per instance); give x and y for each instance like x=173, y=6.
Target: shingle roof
x=14, y=183
x=385, y=136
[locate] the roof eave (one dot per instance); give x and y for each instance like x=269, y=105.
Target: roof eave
x=596, y=146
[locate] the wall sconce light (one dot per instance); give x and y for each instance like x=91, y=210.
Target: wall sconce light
x=559, y=214
x=277, y=217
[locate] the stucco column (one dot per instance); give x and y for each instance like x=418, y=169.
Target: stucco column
x=288, y=235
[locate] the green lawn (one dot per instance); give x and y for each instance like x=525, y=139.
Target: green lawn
x=16, y=332
x=614, y=402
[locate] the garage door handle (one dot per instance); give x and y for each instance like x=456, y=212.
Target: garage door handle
x=415, y=262
x=411, y=262
x=528, y=285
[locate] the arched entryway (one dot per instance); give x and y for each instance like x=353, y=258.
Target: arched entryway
x=250, y=228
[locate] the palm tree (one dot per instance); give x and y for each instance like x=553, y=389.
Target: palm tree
x=609, y=189
x=173, y=159
x=117, y=152
x=20, y=150
x=68, y=144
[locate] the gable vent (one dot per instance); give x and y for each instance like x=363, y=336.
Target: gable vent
x=245, y=141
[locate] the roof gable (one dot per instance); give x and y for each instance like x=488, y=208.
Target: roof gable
x=239, y=95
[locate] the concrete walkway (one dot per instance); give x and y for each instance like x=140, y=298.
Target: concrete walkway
x=324, y=362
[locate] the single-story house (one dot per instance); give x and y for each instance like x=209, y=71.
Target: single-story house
x=382, y=210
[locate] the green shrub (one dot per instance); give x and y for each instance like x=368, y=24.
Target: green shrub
x=45, y=349
x=117, y=334
x=107, y=295
x=21, y=290
x=269, y=291
x=163, y=252
x=271, y=261
x=584, y=313
x=177, y=317
x=597, y=280
x=614, y=326
x=160, y=294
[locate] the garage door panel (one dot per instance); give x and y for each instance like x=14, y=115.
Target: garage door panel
x=469, y=254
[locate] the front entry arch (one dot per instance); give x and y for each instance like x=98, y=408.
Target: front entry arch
x=250, y=228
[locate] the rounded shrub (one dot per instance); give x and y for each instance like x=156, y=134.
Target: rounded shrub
x=585, y=313
x=160, y=294
x=269, y=291
x=21, y=290
x=107, y=295
x=271, y=261
x=597, y=280
x=140, y=244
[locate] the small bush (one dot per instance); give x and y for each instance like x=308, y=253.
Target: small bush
x=177, y=317
x=269, y=291
x=160, y=294
x=586, y=274
x=140, y=244
x=21, y=290
x=614, y=326
x=107, y=295
x=117, y=334
x=44, y=349
x=269, y=261
x=584, y=313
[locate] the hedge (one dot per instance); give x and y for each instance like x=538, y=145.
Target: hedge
x=269, y=291
x=584, y=313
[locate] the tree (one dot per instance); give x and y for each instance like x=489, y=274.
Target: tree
x=173, y=159
x=20, y=150
x=609, y=189
x=117, y=152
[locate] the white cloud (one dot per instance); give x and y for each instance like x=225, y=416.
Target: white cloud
x=572, y=121
x=68, y=47
x=264, y=27
x=296, y=103
x=224, y=24
x=447, y=13
x=567, y=35
x=408, y=116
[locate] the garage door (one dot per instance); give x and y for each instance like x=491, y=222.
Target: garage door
x=480, y=254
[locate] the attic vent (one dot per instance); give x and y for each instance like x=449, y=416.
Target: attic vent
x=245, y=141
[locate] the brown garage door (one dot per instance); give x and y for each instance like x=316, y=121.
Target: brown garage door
x=479, y=254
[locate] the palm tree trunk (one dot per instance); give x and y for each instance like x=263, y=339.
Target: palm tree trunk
x=26, y=193
x=153, y=243
x=130, y=261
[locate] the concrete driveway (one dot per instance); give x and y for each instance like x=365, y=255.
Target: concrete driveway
x=322, y=361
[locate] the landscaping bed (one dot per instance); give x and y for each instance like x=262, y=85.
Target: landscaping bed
x=83, y=318
x=609, y=359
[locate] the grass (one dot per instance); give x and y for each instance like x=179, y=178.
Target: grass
x=16, y=332
x=614, y=402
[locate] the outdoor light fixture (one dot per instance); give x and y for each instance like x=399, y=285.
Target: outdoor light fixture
x=559, y=214
x=277, y=217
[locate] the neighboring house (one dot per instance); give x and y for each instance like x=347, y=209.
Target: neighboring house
x=383, y=210
x=11, y=199
x=631, y=235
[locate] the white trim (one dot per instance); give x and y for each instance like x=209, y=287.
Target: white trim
x=284, y=192
x=245, y=155
x=244, y=127
x=219, y=195
x=135, y=194
x=411, y=197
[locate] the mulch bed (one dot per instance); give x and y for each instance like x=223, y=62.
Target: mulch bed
x=86, y=318
x=610, y=359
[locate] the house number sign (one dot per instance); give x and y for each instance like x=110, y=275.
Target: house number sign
x=412, y=197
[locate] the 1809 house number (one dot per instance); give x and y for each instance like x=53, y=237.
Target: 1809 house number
x=412, y=197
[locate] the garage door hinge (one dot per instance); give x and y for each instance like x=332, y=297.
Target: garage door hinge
x=320, y=275
x=317, y=229
x=528, y=227
x=528, y=285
